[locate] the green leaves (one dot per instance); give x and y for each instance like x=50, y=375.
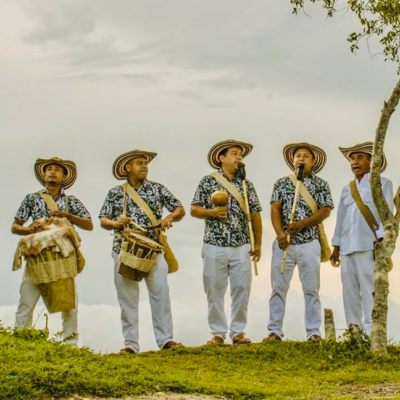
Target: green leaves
x=378, y=18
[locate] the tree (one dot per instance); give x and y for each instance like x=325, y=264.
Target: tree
x=379, y=19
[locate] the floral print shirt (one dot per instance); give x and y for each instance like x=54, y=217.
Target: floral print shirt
x=154, y=194
x=34, y=206
x=284, y=191
x=235, y=231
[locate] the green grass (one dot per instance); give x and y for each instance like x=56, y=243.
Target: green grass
x=33, y=367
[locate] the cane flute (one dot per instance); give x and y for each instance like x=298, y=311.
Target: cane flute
x=242, y=174
x=300, y=173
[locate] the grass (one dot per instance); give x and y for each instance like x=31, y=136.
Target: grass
x=32, y=367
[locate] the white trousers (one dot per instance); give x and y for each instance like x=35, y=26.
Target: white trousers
x=128, y=297
x=220, y=265
x=358, y=284
x=29, y=296
x=307, y=257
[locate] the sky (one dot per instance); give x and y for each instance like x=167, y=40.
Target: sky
x=89, y=80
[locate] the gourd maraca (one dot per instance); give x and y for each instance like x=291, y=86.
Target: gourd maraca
x=220, y=199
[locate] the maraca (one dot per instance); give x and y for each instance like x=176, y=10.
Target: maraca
x=220, y=199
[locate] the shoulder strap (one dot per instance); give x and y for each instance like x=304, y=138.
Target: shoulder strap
x=230, y=188
x=128, y=189
x=325, y=249
x=51, y=204
x=305, y=194
x=364, y=209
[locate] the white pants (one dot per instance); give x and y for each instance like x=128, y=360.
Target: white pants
x=307, y=257
x=128, y=297
x=358, y=284
x=221, y=264
x=29, y=296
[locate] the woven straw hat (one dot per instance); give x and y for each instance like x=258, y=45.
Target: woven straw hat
x=367, y=148
x=319, y=154
x=213, y=154
x=69, y=166
x=120, y=162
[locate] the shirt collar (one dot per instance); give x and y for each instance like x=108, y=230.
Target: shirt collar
x=364, y=179
x=310, y=176
x=62, y=191
x=235, y=178
x=144, y=184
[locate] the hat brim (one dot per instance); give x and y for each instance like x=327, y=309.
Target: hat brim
x=215, y=151
x=120, y=162
x=366, y=148
x=319, y=154
x=69, y=166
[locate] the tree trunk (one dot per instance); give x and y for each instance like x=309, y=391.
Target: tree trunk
x=384, y=249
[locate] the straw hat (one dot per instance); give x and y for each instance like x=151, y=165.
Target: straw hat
x=215, y=151
x=120, y=162
x=69, y=166
x=319, y=154
x=367, y=148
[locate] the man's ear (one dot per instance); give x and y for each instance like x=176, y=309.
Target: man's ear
x=314, y=161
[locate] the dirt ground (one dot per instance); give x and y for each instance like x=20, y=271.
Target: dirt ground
x=359, y=392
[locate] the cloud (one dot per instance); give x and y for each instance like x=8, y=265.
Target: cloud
x=262, y=48
x=67, y=23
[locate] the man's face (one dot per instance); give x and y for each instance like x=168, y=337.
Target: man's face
x=54, y=174
x=137, y=168
x=360, y=164
x=232, y=158
x=304, y=156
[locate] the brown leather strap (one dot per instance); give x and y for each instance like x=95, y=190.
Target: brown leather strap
x=364, y=209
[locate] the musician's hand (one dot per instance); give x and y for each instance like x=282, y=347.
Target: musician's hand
x=282, y=241
x=219, y=212
x=335, y=257
x=35, y=227
x=256, y=253
x=58, y=214
x=295, y=227
x=122, y=222
x=165, y=223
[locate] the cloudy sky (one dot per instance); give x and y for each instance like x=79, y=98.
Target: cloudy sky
x=89, y=80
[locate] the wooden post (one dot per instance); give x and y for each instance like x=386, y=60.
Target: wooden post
x=330, y=331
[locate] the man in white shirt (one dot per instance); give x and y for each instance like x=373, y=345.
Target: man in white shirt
x=354, y=237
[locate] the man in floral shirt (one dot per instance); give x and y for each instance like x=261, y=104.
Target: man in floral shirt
x=133, y=166
x=55, y=175
x=226, y=251
x=304, y=247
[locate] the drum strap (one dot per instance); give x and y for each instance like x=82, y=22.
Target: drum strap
x=231, y=189
x=51, y=204
x=168, y=253
x=133, y=194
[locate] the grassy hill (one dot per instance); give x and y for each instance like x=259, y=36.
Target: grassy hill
x=33, y=367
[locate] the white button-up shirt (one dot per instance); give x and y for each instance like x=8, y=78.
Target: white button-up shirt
x=352, y=233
